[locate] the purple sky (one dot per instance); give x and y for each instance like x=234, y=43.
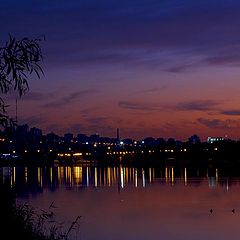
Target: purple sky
x=151, y=68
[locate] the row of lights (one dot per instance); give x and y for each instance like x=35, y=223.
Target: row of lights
x=74, y=154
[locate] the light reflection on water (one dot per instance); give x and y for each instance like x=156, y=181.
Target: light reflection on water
x=135, y=203
x=90, y=176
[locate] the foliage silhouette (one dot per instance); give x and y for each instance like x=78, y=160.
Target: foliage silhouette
x=22, y=221
x=19, y=59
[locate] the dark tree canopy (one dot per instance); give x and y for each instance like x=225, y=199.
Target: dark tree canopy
x=19, y=59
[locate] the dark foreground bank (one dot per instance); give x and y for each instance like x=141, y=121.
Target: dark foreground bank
x=21, y=221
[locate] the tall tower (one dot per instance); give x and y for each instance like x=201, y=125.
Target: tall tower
x=118, y=136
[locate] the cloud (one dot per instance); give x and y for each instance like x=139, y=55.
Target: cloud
x=197, y=105
x=32, y=120
x=151, y=90
x=219, y=123
x=139, y=106
x=38, y=96
x=189, y=28
x=92, y=124
x=224, y=60
x=71, y=97
x=178, y=68
x=231, y=112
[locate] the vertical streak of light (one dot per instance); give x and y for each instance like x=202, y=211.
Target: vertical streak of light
x=185, y=176
x=13, y=176
x=122, y=177
x=114, y=174
x=108, y=177
x=26, y=174
x=70, y=176
x=150, y=175
x=143, y=178
x=51, y=175
x=136, y=179
x=166, y=174
x=126, y=180
x=104, y=177
x=87, y=177
x=216, y=175
x=172, y=176
x=95, y=177
x=77, y=175
x=39, y=176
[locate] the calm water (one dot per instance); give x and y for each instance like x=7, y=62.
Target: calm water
x=129, y=203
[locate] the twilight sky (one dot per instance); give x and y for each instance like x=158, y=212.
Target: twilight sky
x=163, y=68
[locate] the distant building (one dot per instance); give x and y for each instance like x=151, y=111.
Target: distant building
x=149, y=141
x=35, y=134
x=52, y=137
x=68, y=137
x=161, y=142
x=171, y=142
x=214, y=139
x=194, y=139
x=82, y=138
x=127, y=141
x=94, y=138
x=22, y=132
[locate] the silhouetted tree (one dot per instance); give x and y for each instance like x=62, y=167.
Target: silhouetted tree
x=19, y=59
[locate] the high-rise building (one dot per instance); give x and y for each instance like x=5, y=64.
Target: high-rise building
x=214, y=139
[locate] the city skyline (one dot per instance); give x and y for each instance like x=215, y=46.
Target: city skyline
x=166, y=69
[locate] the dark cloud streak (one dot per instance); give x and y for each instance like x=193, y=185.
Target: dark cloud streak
x=71, y=97
x=198, y=105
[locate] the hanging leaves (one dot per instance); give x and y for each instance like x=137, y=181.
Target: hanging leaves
x=19, y=59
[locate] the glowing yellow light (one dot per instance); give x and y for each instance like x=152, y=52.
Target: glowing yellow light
x=77, y=154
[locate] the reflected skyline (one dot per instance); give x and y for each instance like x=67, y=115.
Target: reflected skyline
x=35, y=179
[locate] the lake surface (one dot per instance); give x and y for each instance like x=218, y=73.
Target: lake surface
x=134, y=203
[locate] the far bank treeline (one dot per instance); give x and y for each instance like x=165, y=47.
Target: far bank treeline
x=23, y=145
